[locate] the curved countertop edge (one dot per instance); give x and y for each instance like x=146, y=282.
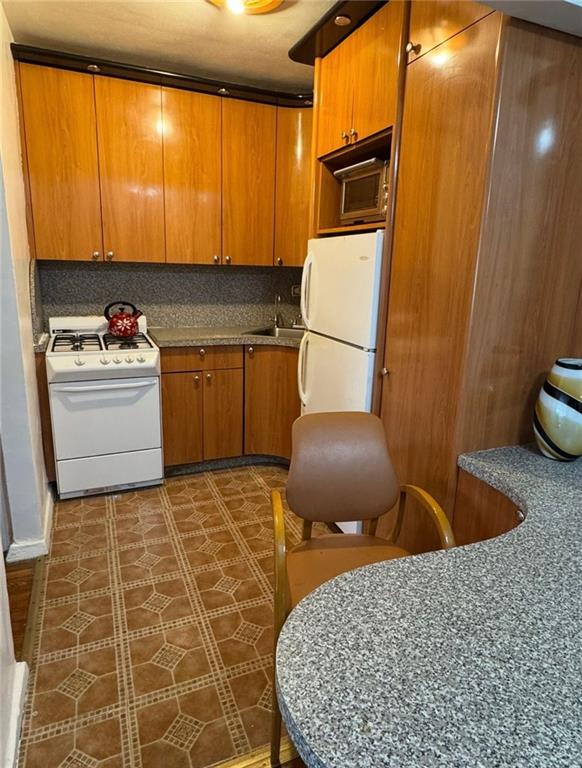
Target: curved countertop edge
x=483, y=615
x=40, y=342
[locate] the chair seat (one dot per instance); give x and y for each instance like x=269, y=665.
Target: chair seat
x=317, y=560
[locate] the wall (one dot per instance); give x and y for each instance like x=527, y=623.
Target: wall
x=27, y=491
x=170, y=295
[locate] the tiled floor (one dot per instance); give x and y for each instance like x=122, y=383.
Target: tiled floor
x=153, y=644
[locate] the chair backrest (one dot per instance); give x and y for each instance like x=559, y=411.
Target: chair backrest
x=340, y=468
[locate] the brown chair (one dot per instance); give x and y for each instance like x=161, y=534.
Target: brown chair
x=340, y=471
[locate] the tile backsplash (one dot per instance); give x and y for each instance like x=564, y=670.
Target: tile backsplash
x=169, y=294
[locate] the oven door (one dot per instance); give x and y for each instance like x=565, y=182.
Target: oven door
x=94, y=418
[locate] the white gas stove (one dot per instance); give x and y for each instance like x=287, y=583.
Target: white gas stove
x=104, y=394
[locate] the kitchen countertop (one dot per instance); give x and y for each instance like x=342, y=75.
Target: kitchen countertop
x=470, y=657
x=204, y=336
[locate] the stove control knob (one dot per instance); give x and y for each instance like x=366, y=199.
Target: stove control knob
x=105, y=361
x=117, y=360
x=141, y=359
x=129, y=359
x=78, y=361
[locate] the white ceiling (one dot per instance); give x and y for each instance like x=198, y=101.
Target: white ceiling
x=186, y=36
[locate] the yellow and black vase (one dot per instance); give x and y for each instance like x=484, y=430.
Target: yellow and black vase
x=558, y=412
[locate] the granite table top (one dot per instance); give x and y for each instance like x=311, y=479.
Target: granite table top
x=469, y=657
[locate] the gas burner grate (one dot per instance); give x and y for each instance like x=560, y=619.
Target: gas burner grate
x=139, y=341
x=77, y=342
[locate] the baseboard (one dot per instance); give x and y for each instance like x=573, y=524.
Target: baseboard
x=28, y=549
x=16, y=700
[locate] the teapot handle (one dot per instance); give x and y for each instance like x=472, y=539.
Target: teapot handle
x=120, y=305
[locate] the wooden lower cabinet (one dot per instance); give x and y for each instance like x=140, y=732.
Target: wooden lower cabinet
x=45, y=417
x=223, y=414
x=271, y=399
x=481, y=512
x=182, y=397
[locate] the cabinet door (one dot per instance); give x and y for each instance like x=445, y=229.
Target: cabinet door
x=443, y=161
x=223, y=413
x=271, y=399
x=376, y=47
x=431, y=23
x=481, y=512
x=248, y=173
x=334, y=98
x=293, y=185
x=182, y=395
x=61, y=143
x=129, y=125
x=192, y=176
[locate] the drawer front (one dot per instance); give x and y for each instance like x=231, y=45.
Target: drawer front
x=103, y=472
x=178, y=359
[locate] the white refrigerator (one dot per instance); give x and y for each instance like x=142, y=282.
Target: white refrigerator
x=340, y=289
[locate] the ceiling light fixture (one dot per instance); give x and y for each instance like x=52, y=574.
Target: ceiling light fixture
x=239, y=7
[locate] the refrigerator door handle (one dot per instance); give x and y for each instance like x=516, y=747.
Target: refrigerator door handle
x=305, y=287
x=301, y=369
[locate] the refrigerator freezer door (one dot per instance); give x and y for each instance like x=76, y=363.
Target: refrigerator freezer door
x=333, y=376
x=340, y=287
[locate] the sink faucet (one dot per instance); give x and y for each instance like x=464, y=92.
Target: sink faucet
x=278, y=318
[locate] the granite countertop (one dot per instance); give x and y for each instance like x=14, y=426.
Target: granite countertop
x=470, y=657
x=214, y=336
x=40, y=342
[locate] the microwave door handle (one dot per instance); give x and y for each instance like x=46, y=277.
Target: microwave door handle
x=105, y=387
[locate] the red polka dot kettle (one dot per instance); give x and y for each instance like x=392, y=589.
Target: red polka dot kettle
x=123, y=318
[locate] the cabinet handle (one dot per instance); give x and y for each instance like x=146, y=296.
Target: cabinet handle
x=208, y=377
x=353, y=134
x=202, y=352
x=228, y=259
x=385, y=372
x=197, y=379
x=109, y=255
x=344, y=136
x=251, y=350
x=279, y=262
x=413, y=48
x=95, y=255
x=216, y=259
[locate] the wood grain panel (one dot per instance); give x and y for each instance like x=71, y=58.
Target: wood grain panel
x=45, y=417
x=443, y=162
x=333, y=98
x=223, y=414
x=129, y=124
x=61, y=147
x=377, y=43
x=529, y=272
x=200, y=358
x=248, y=168
x=481, y=512
x=25, y=172
x=192, y=176
x=271, y=399
x=294, y=128
x=182, y=398
x=20, y=577
x=434, y=21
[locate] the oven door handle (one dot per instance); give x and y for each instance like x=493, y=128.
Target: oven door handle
x=104, y=387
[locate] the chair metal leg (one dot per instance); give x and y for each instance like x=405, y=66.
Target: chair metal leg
x=275, y=730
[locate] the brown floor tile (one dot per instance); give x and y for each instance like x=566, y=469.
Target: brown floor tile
x=74, y=577
x=249, y=688
x=210, y=547
x=228, y=585
x=188, y=490
x=147, y=562
x=79, y=538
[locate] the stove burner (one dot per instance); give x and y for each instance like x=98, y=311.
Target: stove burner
x=76, y=342
x=139, y=341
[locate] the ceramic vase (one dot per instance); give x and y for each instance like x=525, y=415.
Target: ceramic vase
x=558, y=411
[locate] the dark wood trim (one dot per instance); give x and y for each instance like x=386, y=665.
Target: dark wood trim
x=104, y=67
x=325, y=34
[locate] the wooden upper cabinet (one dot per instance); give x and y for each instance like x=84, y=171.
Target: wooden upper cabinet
x=248, y=190
x=377, y=46
x=334, y=98
x=358, y=83
x=192, y=176
x=59, y=125
x=293, y=185
x=271, y=399
x=129, y=128
x=431, y=23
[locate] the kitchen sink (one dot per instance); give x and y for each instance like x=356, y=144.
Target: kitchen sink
x=279, y=333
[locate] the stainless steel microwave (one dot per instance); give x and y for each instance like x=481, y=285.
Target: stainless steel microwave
x=364, y=194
